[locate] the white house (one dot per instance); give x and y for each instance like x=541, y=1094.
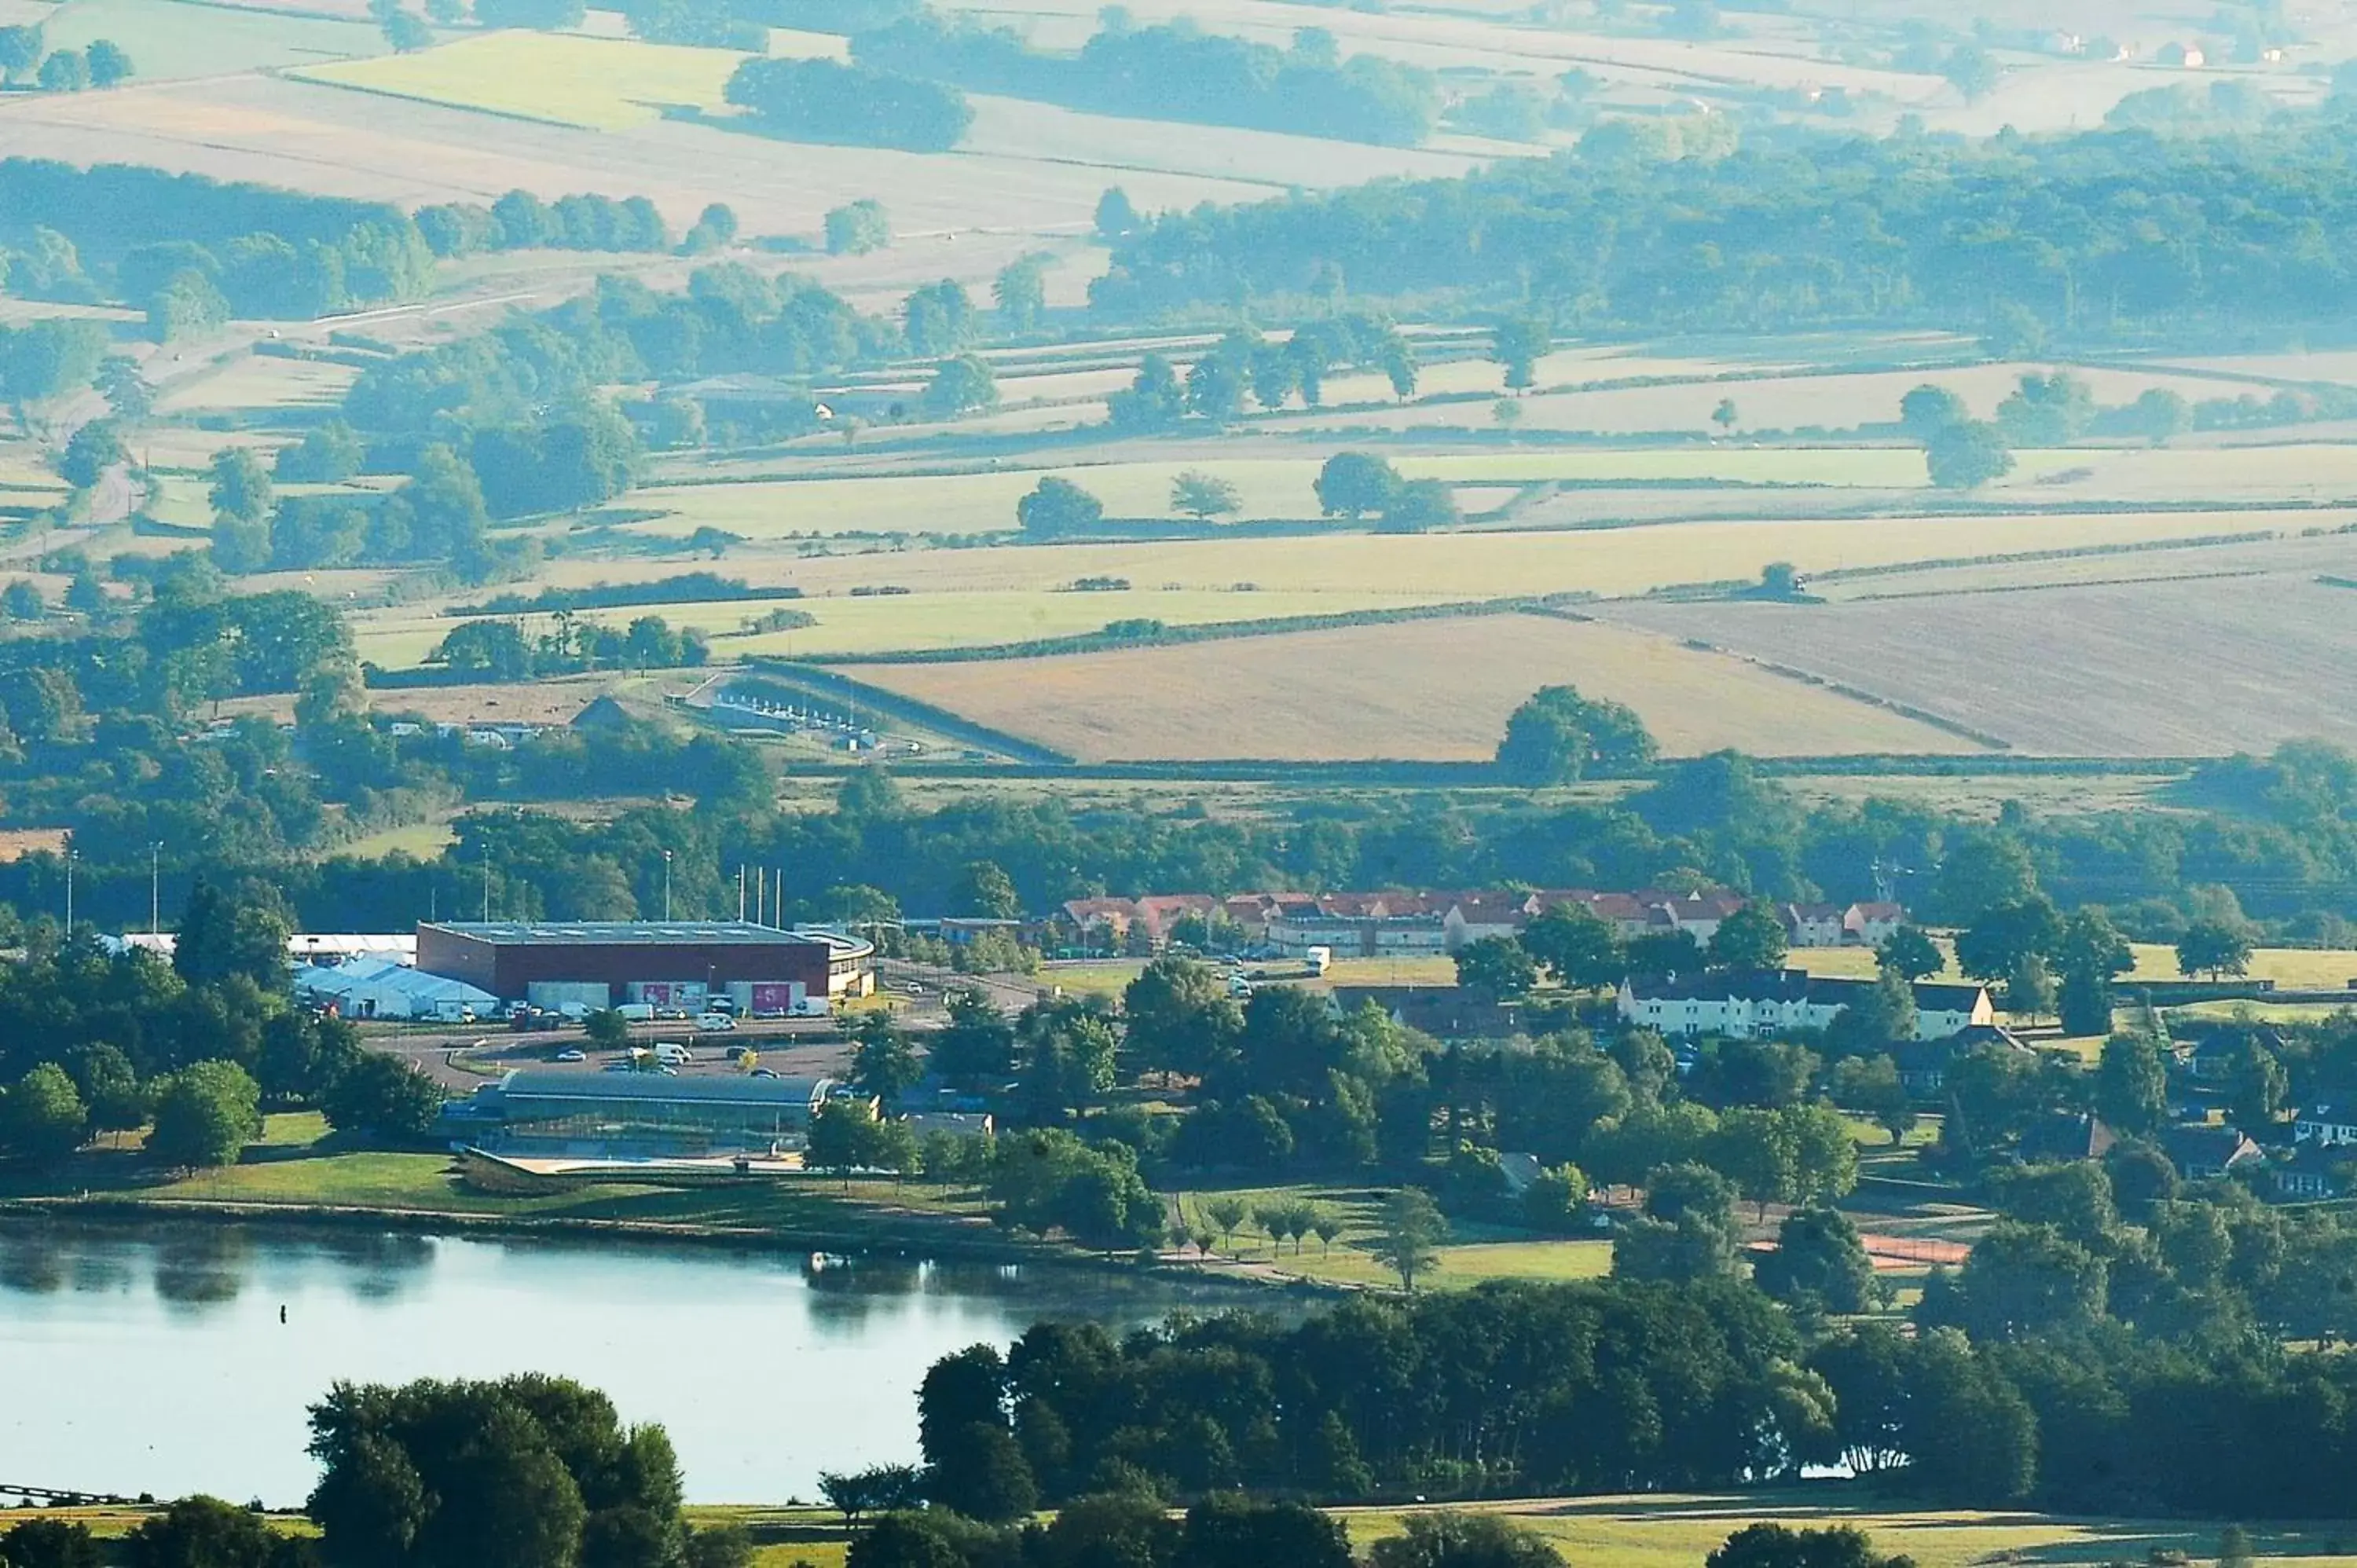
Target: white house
x=1871, y=925
x=2326, y=1124
x=1756, y=1003
x=1812, y=925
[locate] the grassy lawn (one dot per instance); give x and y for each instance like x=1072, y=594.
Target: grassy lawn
x=173, y=39
x=2302, y=968
x=297, y=1163
x=1481, y=1253
x=595, y=84
x=1669, y=1532
x=422, y=840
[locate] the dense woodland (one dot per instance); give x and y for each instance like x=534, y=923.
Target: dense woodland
x=261, y=251
x=1172, y=71
x=2112, y=235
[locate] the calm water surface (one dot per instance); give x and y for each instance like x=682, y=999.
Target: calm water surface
x=151, y=1358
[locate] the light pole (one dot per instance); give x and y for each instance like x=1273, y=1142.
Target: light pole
x=666, y=887
x=155, y=887
x=70, y=854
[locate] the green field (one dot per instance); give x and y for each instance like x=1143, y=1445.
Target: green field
x=173, y=39
x=298, y=1163
x=898, y=622
x=1476, y=1253
x=593, y=84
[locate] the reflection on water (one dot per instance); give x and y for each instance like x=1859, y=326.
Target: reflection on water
x=153, y=1357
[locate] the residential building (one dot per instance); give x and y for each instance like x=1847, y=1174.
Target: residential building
x=2311, y=1172
x=1370, y=925
x=1871, y=925
x=2202, y=1150
x=1923, y=1065
x=1811, y=925
x=1762, y=1003
x=2064, y=1139
x=2326, y=1125
x=1444, y=1012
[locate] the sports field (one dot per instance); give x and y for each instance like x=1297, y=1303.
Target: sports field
x=1432, y=690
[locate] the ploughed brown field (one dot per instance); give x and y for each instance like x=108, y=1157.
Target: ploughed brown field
x=2189, y=668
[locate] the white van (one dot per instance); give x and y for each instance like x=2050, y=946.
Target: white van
x=674, y=1054
x=636, y=1012
x=715, y=1020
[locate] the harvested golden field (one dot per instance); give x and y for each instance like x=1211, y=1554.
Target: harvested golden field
x=1767, y=401
x=888, y=623
x=258, y=381
x=1436, y=690
x=310, y=136
x=1269, y=488
x=1609, y=561
x=2155, y=668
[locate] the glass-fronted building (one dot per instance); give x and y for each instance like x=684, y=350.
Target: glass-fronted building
x=533, y=1110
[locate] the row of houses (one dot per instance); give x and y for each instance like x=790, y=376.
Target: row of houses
x=1758, y=1003
x=1373, y=925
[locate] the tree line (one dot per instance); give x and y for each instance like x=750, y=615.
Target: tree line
x=193, y=1048
x=1172, y=71
x=1803, y=229
x=271, y=252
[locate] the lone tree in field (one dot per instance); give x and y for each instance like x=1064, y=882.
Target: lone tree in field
x=1517, y=343
x=1352, y=484
x=1201, y=496
x=1966, y=456
x=2214, y=948
x=1413, y=1230
x=1724, y=415
x=1056, y=507
x=1225, y=1213
x=857, y=229
x=1911, y=954
x=1559, y=736
x=963, y=385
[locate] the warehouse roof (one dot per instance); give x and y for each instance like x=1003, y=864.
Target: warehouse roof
x=582, y=933
x=380, y=978
x=654, y=1088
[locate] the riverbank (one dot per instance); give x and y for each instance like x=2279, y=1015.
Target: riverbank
x=300, y=1174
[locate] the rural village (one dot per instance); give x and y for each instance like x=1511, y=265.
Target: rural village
x=945, y=784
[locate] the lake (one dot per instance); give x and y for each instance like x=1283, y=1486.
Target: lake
x=150, y=1358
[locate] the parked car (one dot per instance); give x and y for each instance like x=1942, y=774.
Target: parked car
x=572, y=1054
